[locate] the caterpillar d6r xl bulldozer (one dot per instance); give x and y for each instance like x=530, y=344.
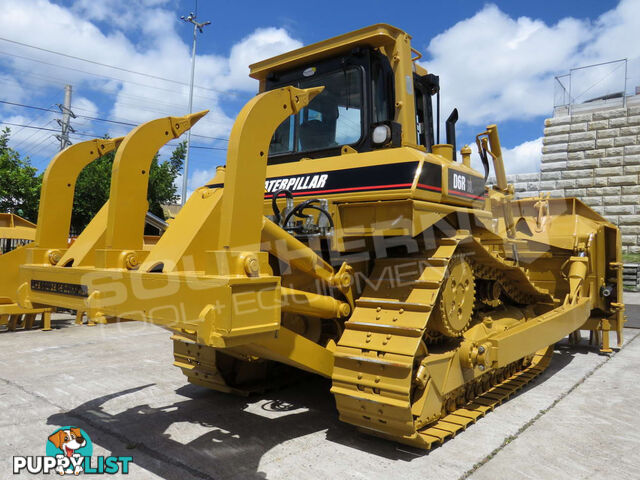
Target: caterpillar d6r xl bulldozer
x=342, y=239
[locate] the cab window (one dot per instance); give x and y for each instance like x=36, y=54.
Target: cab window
x=333, y=118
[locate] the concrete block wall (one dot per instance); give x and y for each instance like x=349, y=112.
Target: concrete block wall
x=593, y=155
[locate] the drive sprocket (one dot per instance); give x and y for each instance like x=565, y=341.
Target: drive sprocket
x=454, y=308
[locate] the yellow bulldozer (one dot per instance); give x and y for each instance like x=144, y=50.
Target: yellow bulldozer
x=15, y=232
x=342, y=238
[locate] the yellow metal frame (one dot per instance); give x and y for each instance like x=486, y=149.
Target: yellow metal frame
x=210, y=278
x=51, y=233
x=15, y=227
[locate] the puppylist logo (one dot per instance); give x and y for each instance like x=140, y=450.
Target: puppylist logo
x=69, y=450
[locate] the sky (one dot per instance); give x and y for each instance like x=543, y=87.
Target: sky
x=128, y=62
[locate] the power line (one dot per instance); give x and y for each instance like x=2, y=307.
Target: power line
x=140, y=105
x=29, y=126
x=142, y=101
x=88, y=117
x=28, y=106
x=65, y=67
x=148, y=75
x=37, y=148
x=44, y=146
x=31, y=123
x=202, y=147
x=26, y=149
x=49, y=80
x=26, y=139
x=93, y=135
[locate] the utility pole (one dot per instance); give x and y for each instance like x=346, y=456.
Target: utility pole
x=197, y=27
x=65, y=123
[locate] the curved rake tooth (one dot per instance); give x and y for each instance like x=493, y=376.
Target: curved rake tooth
x=58, y=186
x=128, y=204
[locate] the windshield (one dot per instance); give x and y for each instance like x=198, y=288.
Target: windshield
x=333, y=118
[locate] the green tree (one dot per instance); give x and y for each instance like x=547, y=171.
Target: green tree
x=92, y=191
x=19, y=182
x=92, y=186
x=162, y=179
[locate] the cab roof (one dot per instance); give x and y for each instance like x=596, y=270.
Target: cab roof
x=375, y=36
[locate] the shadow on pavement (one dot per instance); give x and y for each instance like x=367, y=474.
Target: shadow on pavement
x=229, y=440
x=225, y=436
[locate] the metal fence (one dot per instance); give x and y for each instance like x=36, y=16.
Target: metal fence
x=602, y=82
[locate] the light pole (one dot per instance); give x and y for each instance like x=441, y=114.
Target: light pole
x=197, y=27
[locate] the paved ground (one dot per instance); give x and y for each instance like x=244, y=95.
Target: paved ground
x=577, y=420
x=632, y=300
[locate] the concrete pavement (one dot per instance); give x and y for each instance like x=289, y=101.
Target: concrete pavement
x=593, y=432
x=117, y=383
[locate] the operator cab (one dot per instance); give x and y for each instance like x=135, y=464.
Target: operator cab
x=355, y=109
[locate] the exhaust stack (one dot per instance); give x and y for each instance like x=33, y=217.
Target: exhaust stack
x=450, y=126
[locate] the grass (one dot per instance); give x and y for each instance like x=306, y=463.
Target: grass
x=631, y=257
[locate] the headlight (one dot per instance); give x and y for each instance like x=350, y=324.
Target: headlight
x=381, y=134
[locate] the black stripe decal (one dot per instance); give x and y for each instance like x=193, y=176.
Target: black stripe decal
x=430, y=177
x=376, y=177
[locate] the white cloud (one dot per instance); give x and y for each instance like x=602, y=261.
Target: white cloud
x=197, y=178
x=85, y=105
x=123, y=14
x=12, y=90
x=496, y=68
x=101, y=31
x=616, y=33
x=261, y=44
x=200, y=177
x=523, y=158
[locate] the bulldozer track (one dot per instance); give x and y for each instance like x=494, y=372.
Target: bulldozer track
x=451, y=424
x=378, y=352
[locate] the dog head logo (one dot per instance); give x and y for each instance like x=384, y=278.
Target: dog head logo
x=68, y=440
x=70, y=445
